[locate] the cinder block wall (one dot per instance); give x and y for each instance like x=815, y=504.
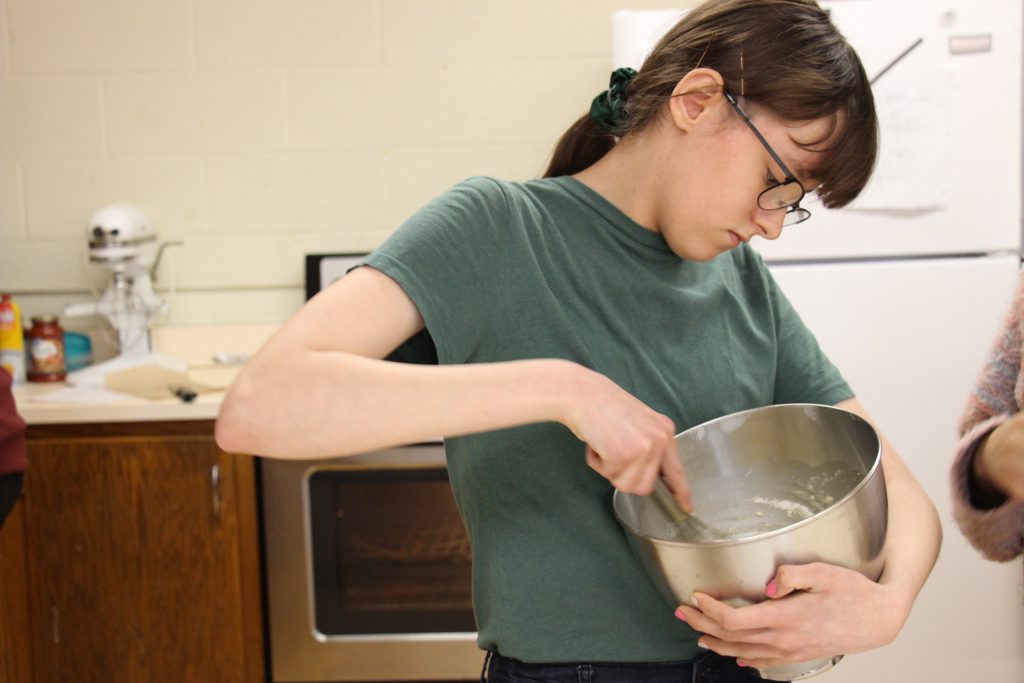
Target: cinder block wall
x=255, y=131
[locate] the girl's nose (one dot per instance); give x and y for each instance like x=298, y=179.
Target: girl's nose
x=769, y=223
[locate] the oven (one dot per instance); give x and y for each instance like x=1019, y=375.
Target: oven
x=367, y=560
x=368, y=569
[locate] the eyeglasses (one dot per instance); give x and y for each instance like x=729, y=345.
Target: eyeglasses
x=786, y=194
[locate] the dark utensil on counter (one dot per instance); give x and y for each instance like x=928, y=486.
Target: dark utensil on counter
x=184, y=393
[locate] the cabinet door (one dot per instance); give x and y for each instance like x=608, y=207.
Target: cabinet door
x=135, y=566
x=14, y=631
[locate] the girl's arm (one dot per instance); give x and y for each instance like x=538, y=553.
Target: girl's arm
x=318, y=388
x=914, y=533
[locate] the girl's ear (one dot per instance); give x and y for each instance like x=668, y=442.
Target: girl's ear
x=697, y=98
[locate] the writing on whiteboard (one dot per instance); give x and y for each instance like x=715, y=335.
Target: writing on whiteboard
x=913, y=169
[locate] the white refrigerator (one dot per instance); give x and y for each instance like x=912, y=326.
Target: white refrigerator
x=906, y=288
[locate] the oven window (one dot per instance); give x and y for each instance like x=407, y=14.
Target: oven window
x=390, y=553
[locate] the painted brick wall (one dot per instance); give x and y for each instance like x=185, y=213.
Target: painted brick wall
x=259, y=130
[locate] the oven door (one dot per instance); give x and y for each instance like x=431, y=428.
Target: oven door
x=368, y=569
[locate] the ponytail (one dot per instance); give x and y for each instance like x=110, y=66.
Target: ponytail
x=579, y=147
x=595, y=132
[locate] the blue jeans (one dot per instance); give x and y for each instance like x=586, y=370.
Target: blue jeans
x=708, y=668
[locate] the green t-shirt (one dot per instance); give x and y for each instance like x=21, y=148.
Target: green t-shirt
x=549, y=269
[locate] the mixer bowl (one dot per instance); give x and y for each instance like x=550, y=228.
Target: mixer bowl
x=784, y=484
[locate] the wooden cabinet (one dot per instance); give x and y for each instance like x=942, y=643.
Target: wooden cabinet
x=132, y=557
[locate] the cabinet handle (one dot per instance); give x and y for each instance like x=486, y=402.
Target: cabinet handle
x=215, y=483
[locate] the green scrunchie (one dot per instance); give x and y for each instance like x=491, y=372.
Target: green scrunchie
x=608, y=110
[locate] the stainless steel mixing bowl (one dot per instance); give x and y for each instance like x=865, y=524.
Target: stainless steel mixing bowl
x=785, y=484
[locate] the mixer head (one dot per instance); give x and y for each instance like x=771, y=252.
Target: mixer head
x=122, y=238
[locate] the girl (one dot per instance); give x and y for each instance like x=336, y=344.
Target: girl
x=567, y=328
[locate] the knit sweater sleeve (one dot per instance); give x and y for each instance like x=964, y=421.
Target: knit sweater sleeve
x=997, y=533
x=12, y=430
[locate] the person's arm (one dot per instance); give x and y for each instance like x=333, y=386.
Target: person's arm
x=987, y=474
x=986, y=478
x=318, y=388
x=819, y=610
x=997, y=468
x=995, y=390
x=914, y=533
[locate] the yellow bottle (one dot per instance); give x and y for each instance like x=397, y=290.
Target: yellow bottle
x=12, y=339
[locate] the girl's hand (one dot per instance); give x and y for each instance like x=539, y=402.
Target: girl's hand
x=628, y=443
x=813, y=611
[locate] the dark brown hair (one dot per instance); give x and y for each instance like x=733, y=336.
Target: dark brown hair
x=785, y=56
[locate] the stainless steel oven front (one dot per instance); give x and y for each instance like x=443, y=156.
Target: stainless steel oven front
x=368, y=569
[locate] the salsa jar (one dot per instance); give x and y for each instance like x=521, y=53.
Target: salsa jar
x=46, y=360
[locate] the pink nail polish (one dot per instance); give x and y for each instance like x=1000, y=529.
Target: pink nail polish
x=771, y=589
x=741, y=662
x=679, y=614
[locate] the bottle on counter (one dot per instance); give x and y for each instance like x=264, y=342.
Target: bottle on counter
x=12, y=339
x=46, y=359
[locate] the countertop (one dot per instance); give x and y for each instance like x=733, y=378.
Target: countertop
x=194, y=346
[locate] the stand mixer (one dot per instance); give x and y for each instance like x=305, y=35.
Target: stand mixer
x=122, y=239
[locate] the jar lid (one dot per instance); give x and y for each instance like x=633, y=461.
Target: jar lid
x=44, y=319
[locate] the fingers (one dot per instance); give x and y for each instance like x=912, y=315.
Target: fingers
x=627, y=442
x=796, y=577
x=631, y=457
x=772, y=631
x=718, y=619
x=728, y=636
x=675, y=477
x=747, y=651
x=755, y=654
x=639, y=478
x=632, y=477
